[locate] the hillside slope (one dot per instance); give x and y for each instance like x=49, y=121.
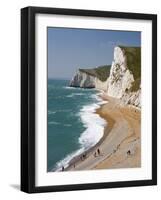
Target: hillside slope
x=91, y=78
x=101, y=72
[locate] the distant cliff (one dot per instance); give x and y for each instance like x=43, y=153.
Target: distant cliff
x=121, y=80
x=83, y=80
x=91, y=78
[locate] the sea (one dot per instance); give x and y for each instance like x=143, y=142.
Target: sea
x=73, y=125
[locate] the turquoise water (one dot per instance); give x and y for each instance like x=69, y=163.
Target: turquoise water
x=72, y=124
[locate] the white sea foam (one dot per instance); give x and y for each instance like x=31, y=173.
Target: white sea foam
x=64, y=110
x=73, y=88
x=68, y=87
x=65, y=162
x=94, y=125
x=53, y=122
x=57, y=111
x=102, y=102
x=75, y=94
x=99, y=99
x=76, y=88
x=51, y=112
x=67, y=125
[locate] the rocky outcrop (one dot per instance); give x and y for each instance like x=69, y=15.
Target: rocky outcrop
x=121, y=80
x=83, y=80
x=101, y=85
x=92, y=78
x=132, y=98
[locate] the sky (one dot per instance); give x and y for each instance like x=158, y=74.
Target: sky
x=70, y=49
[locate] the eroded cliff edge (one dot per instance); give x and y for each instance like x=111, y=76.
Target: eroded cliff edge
x=92, y=78
x=125, y=75
x=121, y=80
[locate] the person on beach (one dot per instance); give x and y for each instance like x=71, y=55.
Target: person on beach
x=114, y=151
x=62, y=168
x=84, y=156
x=128, y=152
x=95, y=154
x=81, y=157
x=98, y=151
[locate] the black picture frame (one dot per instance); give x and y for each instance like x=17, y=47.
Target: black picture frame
x=28, y=98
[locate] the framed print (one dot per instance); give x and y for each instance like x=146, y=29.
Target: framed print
x=88, y=99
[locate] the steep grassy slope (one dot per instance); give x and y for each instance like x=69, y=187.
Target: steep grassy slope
x=133, y=55
x=101, y=72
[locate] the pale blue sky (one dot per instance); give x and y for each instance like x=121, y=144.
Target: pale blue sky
x=70, y=49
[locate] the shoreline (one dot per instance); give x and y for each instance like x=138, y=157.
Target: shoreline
x=122, y=134
x=110, y=122
x=115, y=143
x=130, y=142
x=76, y=158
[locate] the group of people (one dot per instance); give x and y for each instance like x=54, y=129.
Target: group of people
x=84, y=156
x=128, y=152
x=97, y=153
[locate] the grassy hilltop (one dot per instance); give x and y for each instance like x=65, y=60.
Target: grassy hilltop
x=101, y=72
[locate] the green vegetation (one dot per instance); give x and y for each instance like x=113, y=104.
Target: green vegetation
x=101, y=72
x=133, y=55
x=135, y=85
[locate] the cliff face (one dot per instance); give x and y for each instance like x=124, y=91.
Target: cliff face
x=121, y=80
x=83, y=80
x=132, y=98
x=101, y=85
x=91, y=78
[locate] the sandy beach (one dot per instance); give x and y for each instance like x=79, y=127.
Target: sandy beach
x=120, y=147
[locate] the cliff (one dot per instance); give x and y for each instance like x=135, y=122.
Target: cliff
x=121, y=80
x=91, y=78
x=83, y=80
x=125, y=75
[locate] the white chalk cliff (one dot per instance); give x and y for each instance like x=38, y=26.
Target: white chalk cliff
x=83, y=80
x=101, y=85
x=121, y=80
x=117, y=85
x=132, y=98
